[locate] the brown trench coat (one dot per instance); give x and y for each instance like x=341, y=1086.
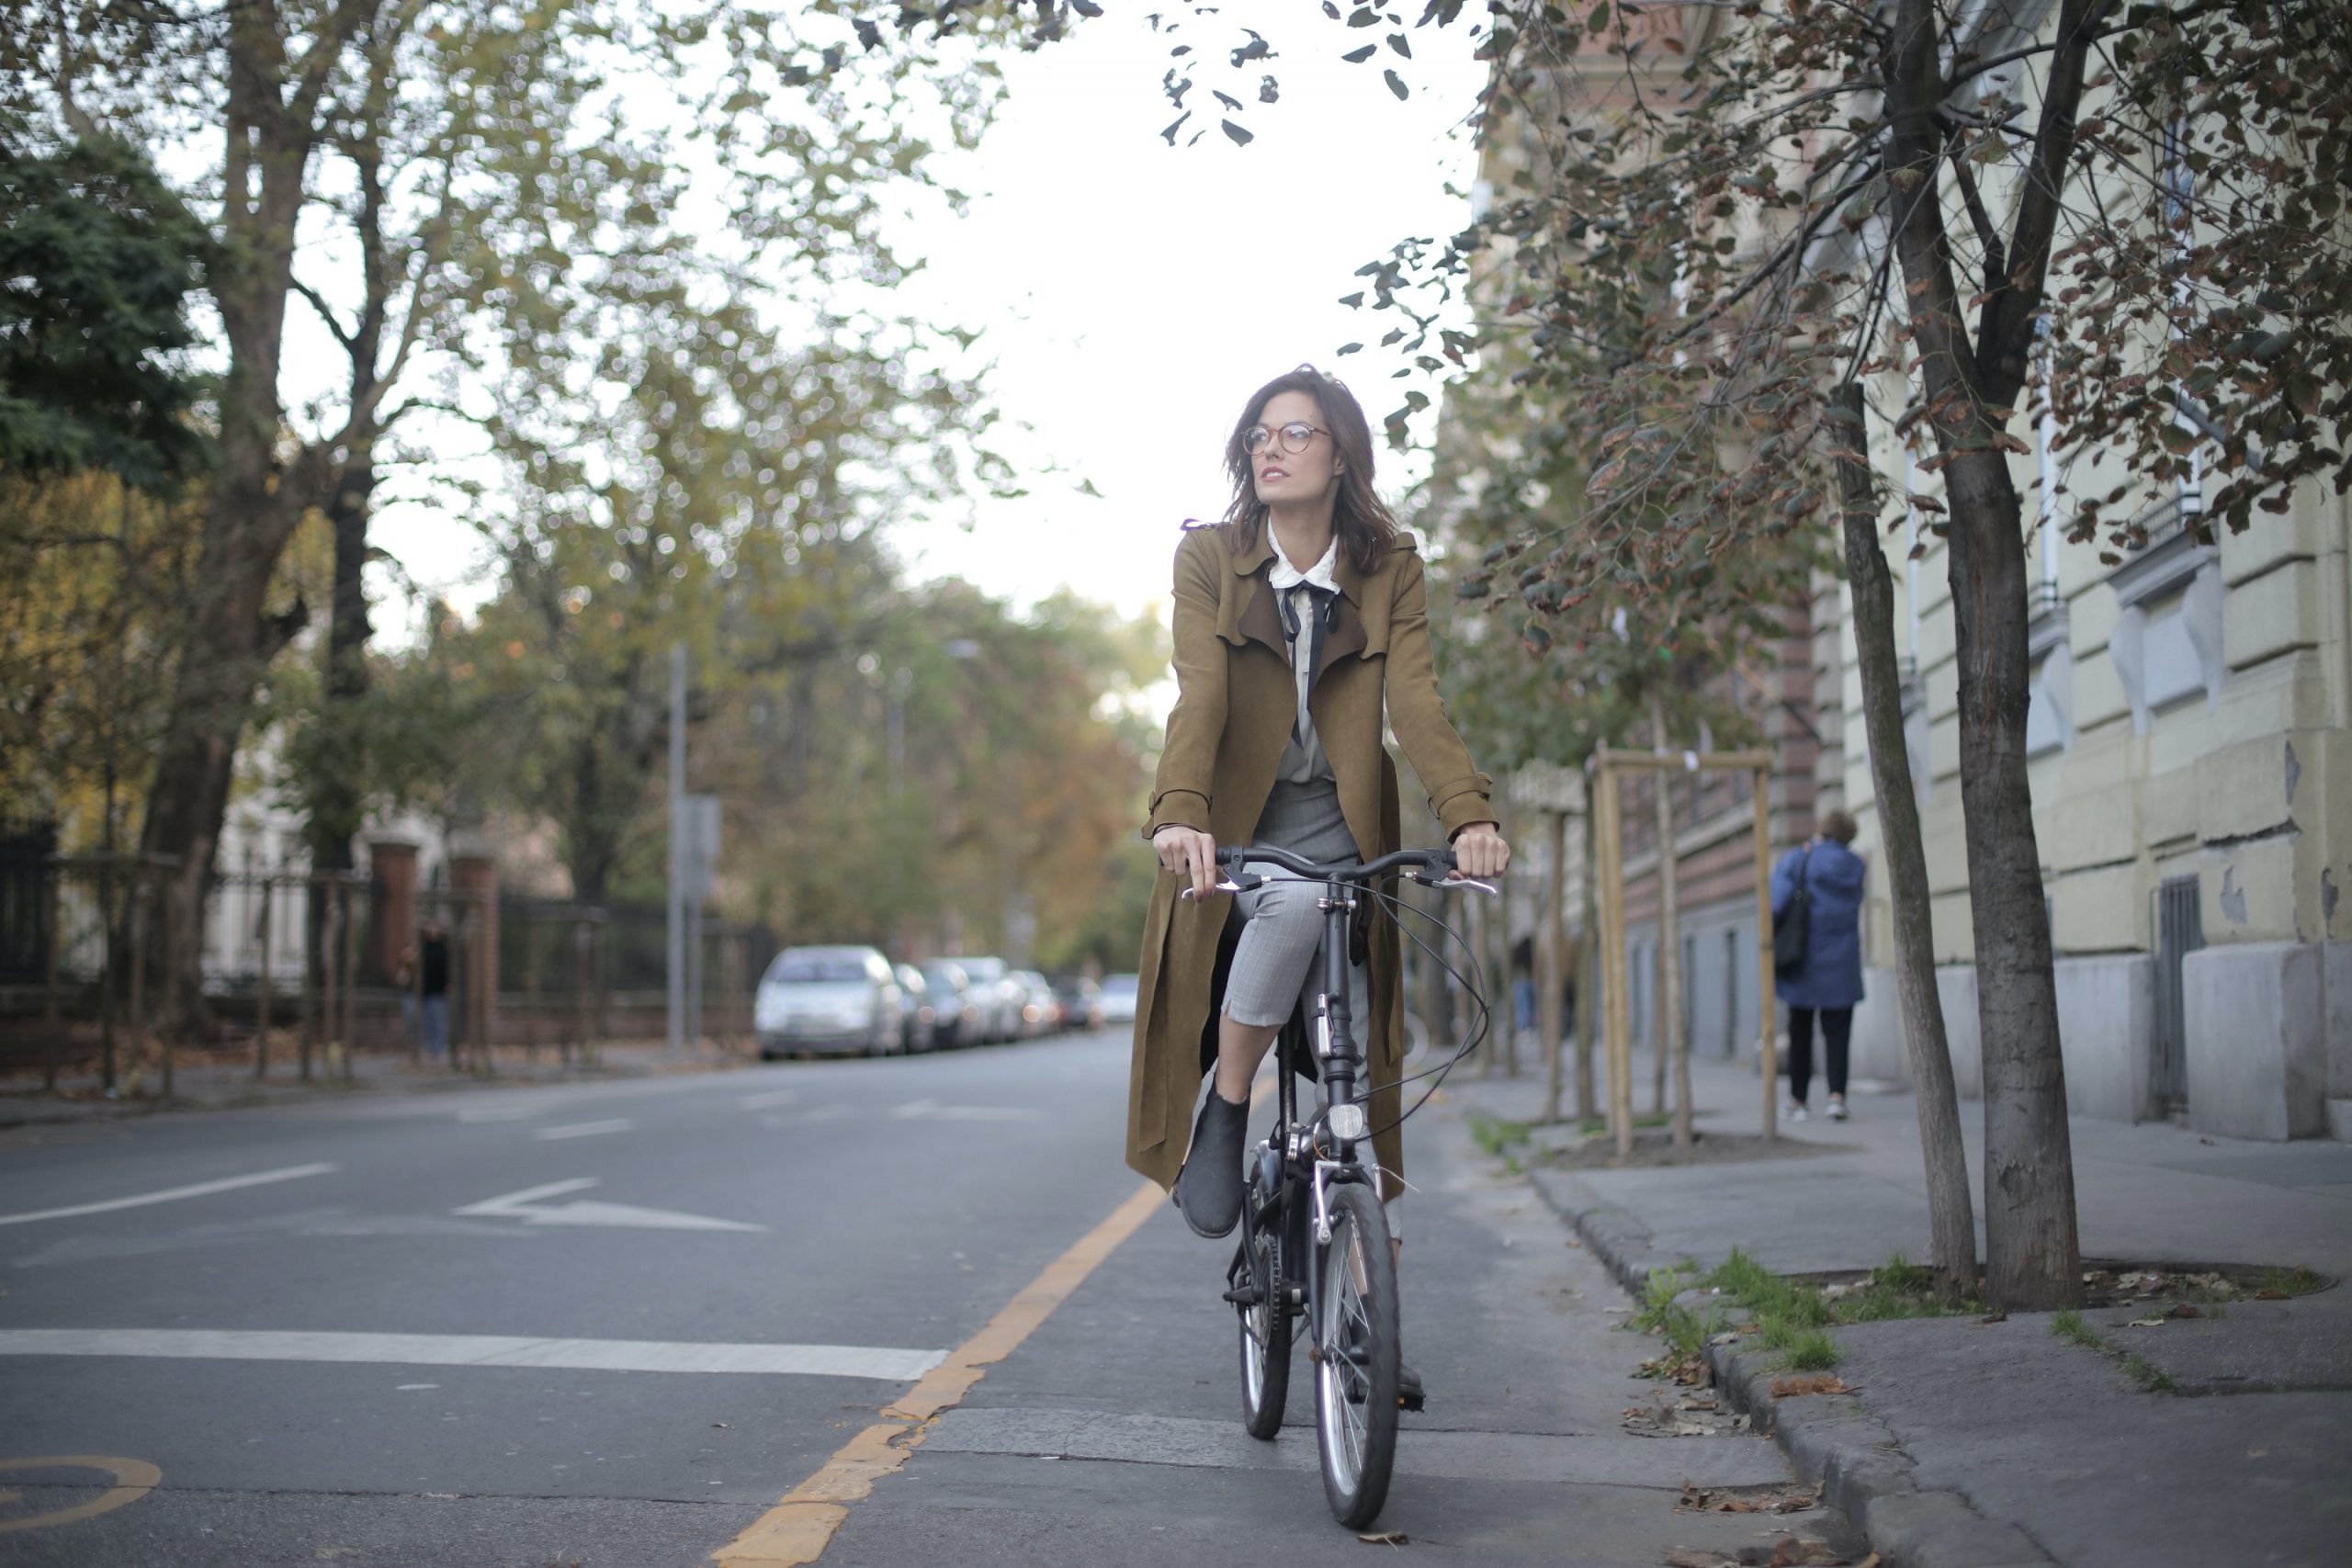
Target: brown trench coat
x=1236, y=699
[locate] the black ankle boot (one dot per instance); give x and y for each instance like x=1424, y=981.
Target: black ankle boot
x=1208, y=1189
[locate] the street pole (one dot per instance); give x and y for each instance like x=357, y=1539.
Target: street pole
x=676, y=969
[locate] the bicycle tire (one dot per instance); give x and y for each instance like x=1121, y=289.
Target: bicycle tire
x=1355, y=1365
x=1265, y=1328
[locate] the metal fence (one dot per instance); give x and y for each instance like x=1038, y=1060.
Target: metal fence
x=310, y=968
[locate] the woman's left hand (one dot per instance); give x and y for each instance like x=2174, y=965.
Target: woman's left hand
x=1480, y=851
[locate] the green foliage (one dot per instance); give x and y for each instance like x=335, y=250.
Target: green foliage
x=2298, y=1281
x=2067, y=1323
x=98, y=256
x=1811, y=1351
x=1495, y=1136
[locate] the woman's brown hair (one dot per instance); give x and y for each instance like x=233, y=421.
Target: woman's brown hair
x=1840, y=825
x=1366, y=529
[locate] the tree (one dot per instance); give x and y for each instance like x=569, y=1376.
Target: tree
x=96, y=259
x=493, y=195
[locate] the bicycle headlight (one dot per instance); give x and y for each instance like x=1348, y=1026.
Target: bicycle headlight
x=1346, y=1121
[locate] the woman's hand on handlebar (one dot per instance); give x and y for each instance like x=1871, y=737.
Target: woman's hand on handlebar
x=1479, y=852
x=1188, y=852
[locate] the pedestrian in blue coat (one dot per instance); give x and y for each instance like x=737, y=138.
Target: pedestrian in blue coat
x=1829, y=980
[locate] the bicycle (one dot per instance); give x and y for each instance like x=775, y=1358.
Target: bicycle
x=1313, y=1237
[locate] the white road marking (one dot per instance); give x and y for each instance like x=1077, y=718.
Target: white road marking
x=880, y=1363
x=769, y=1098
x=932, y=1110
x=585, y=1129
x=508, y=1110
x=172, y=1194
x=522, y=1206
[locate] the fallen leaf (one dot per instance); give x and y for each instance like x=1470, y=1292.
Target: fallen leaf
x=1804, y=1551
x=1994, y=1317
x=2145, y=1322
x=1811, y=1383
x=2183, y=1309
x=1697, y=1557
x=1386, y=1538
x=2270, y=1294
x=1735, y=1505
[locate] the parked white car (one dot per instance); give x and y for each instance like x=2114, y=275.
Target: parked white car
x=829, y=1000
x=998, y=996
x=1119, y=997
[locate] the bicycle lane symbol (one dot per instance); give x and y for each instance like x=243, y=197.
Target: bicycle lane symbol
x=132, y=1479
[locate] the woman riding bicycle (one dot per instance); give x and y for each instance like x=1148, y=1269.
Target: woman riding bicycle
x=1300, y=617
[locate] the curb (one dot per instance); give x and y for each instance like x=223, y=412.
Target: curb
x=1855, y=1458
x=91, y=1112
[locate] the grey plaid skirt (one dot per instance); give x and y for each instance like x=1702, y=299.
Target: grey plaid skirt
x=1276, y=964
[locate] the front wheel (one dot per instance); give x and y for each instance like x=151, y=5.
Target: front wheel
x=1265, y=1324
x=1356, y=1355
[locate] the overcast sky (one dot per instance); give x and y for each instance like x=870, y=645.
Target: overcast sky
x=1131, y=295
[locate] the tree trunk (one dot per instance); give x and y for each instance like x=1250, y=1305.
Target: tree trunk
x=228, y=641
x=1672, y=1047
x=2032, y=1252
x=1952, y=1224
x=1587, y=971
x=1551, y=951
x=338, y=764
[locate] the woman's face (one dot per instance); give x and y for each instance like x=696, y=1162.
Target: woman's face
x=1283, y=475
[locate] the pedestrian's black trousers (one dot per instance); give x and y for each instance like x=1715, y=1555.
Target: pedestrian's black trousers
x=1837, y=1031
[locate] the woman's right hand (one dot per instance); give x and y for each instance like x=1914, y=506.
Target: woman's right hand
x=1188, y=852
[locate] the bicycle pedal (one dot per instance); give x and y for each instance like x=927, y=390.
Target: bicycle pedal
x=1412, y=1401
x=1244, y=1296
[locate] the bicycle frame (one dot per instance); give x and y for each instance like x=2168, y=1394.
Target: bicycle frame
x=1302, y=1161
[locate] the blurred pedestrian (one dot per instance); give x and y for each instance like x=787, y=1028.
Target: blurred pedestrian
x=1819, y=885
x=432, y=989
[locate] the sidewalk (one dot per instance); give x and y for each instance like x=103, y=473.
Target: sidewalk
x=1975, y=1444
x=208, y=1080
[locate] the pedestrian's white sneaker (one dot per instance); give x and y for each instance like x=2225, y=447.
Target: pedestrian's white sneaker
x=1836, y=1111
x=1794, y=1111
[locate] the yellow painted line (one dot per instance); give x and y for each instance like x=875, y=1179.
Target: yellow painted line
x=133, y=1479
x=799, y=1529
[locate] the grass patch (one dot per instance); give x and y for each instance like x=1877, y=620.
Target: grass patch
x=1495, y=1136
x=2067, y=1323
x=1592, y=1124
x=2156, y=1379
x=1792, y=1316
x=2296, y=1281
x=1686, y=1332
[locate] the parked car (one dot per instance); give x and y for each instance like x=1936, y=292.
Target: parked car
x=919, y=1019
x=956, y=1008
x=1041, y=1011
x=1081, y=1001
x=997, y=996
x=830, y=999
x=1119, y=999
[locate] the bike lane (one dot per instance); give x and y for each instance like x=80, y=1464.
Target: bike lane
x=1113, y=1434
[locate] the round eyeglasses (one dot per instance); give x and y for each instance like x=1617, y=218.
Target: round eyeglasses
x=1294, y=437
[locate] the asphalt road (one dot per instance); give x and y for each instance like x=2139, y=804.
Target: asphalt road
x=615, y=1324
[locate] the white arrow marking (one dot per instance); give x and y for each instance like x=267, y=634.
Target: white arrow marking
x=520, y=1206
x=172, y=1194
x=585, y=1129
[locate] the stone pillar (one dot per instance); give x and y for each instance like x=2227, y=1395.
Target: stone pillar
x=474, y=877
x=391, y=866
